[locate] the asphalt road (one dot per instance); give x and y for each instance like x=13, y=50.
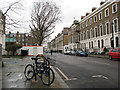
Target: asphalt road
x=87, y=72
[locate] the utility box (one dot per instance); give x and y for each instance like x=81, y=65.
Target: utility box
x=32, y=50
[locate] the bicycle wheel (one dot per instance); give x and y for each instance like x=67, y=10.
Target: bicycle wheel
x=47, y=76
x=29, y=71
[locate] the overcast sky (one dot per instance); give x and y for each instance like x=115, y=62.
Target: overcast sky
x=71, y=10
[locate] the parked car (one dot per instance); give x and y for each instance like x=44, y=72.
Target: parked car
x=114, y=54
x=72, y=52
x=81, y=53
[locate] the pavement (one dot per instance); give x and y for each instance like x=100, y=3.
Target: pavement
x=12, y=76
x=99, y=56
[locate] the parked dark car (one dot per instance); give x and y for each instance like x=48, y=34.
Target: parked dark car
x=114, y=53
x=72, y=52
x=81, y=53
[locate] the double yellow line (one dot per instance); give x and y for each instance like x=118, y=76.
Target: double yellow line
x=66, y=78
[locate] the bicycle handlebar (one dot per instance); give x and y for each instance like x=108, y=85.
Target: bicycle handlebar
x=44, y=58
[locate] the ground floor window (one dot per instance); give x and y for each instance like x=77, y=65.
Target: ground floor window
x=112, y=42
x=102, y=43
x=89, y=45
x=98, y=43
x=92, y=44
x=117, y=41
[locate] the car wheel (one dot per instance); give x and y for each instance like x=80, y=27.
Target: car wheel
x=110, y=57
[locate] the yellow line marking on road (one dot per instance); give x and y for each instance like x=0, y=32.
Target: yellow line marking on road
x=62, y=73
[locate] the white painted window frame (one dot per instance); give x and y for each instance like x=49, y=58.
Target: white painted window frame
x=113, y=9
x=100, y=29
x=105, y=12
x=100, y=18
x=95, y=31
x=106, y=27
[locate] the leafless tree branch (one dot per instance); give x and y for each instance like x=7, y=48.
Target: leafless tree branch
x=44, y=17
x=11, y=10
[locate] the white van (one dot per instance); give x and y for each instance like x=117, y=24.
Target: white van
x=66, y=49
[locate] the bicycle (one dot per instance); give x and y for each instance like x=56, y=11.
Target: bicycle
x=42, y=69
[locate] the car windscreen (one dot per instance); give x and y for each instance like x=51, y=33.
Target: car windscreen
x=79, y=51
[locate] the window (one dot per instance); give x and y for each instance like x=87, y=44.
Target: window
x=86, y=23
x=114, y=50
x=88, y=35
x=15, y=35
x=89, y=45
x=102, y=43
x=95, y=18
x=81, y=36
x=117, y=42
x=83, y=25
x=91, y=31
x=100, y=15
x=11, y=35
x=92, y=44
x=101, y=30
x=96, y=31
x=98, y=43
x=84, y=35
x=114, y=8
x=115, y=25
x=107, y=28
x=107, y=12
x=90, y=21
x=26, y=44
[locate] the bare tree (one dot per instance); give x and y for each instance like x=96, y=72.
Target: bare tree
x=44, y=17
x=11, y=12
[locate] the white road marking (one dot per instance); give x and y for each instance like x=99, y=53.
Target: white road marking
x=21, y=78
x=19, y=75
x=98, y=76
x=14, y=86
x=13, y=80
x=101, y=63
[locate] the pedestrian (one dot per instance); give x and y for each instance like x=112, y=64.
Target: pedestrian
x=51, y=52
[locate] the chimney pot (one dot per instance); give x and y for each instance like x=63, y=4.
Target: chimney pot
x=87, y=13
x=94, y=8
x=82, y=17
x=102, y=2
